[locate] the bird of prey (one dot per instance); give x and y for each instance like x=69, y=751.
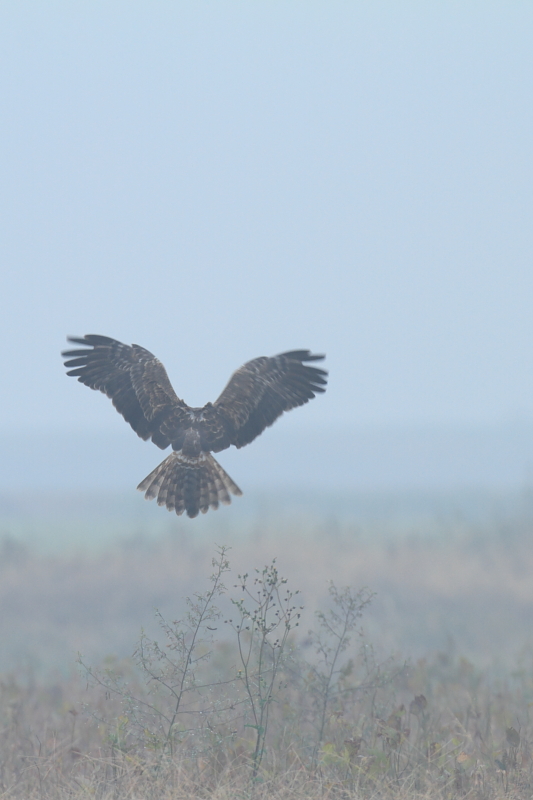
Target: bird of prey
x=190, y=479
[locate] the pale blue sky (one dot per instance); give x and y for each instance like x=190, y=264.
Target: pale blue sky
x=222, y=180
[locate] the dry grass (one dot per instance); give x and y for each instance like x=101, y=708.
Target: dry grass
x=442, y=726
x=438, y=729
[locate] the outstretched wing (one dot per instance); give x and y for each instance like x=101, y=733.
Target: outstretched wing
x=261, y=390
x=136, y=382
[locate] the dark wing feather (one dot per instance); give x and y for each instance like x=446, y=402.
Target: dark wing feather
x=261, y=390
x=136, y=382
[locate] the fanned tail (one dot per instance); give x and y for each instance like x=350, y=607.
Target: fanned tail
x=189, y=483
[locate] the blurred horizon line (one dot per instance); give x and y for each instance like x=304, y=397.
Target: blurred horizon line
x=326, y=458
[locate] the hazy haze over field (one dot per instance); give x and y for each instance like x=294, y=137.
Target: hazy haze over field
x=221, y=180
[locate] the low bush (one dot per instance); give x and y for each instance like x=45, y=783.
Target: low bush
x=233, y=700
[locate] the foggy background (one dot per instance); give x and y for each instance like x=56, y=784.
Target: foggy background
x=219, y=181
x=216, y=181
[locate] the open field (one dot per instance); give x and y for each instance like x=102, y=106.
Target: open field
x=424, y=691
x=445, y=576
x=439, y=728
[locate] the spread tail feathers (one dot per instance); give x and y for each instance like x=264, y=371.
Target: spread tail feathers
x=189, y=483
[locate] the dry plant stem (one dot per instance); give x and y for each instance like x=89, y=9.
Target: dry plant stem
x=170, y=673
x=202, y=613
x=265, y=610
x=331, y=640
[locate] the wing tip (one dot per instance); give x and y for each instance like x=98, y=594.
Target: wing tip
x=303, y=355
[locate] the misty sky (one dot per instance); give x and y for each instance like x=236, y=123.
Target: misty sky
x=221, y=180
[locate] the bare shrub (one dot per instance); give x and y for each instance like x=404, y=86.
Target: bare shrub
x=246, y=709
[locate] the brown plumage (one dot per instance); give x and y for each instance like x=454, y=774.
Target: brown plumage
x=190, y=479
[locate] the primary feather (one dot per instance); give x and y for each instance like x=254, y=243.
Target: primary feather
x=137, y=383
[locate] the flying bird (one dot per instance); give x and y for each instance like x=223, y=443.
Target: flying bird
x=190, y=479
